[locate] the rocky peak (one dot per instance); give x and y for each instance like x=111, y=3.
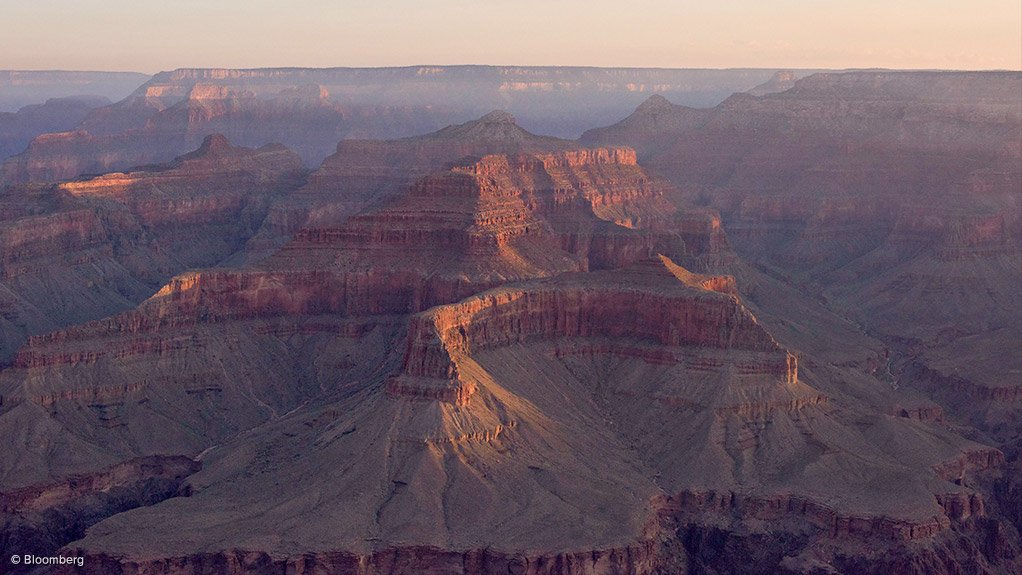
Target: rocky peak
x=654, y=122
x=655, y=103
x=498, y=126
x=214, y=147
x=214, y=144
x=498, y=117
x=496, y=132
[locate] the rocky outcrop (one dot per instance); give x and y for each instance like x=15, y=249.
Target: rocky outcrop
x=509, y=217
x=188, y=300
x=970, y=461
x=204, y=205
x=664, y=311
x=655, y=123
x=79, y=234
x=831, y=523
x=39, y=519
x=523, y=214
x=221, y=296
x=364, y=173
x=554, y=310
x=59, y=155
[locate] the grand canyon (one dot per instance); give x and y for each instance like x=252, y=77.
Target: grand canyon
x=481, y=320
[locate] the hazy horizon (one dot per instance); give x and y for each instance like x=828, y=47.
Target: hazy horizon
x=507, y=65
x=148, y=37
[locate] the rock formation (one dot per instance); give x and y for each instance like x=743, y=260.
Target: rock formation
x=892, y=196
x=897, y=193
x=88, y=248
x=564, y=412
x=364, y=173
x=840, y=162
x=482, y=351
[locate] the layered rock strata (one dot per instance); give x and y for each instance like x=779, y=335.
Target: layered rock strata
x=501, y=400
x=88, y=248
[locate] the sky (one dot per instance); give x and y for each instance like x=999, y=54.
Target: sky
x=150, y=36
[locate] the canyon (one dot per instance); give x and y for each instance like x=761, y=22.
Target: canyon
x=899, y=205
x=774, y=335
x=87, y=248
x=310, y=110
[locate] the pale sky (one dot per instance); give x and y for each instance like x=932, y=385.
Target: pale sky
x=149, y=36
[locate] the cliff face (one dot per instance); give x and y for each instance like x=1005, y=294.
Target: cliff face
x=442, y=341
x=503, y=217
x=513, y=216
x=204, y=205
x=58, y=265
x=638, y=559
x=195, y=196
x=364, y=173
x=562, y=309
x=27, y=239
x=88, y=248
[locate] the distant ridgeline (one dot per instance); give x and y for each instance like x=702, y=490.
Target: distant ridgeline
x=310, y=110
